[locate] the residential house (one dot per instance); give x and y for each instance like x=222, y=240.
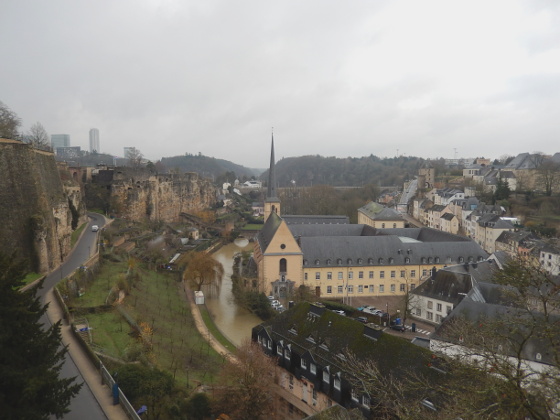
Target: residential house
x=436, y=298
x=549, y=257
x=434, y=215
x=517, y=243
x=524, y=347
x=471, y=221
x=489, y=228
x=446, y=195
x=258, y=209
x=420, y=208
x=449, y=223
x=462, y=208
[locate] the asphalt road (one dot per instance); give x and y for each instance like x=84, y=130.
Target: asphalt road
x=84, y=406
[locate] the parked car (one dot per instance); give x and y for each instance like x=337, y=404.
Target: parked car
x=400, y=328
x=94, y=228
x=340, y=312
x=362, y=319
x=275, y=303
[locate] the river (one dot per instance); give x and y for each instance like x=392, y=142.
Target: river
x=233, y=321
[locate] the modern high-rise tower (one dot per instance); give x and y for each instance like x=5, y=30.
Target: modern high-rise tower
x=60, y=140
x=94, y=140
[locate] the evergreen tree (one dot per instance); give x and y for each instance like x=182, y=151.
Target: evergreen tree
x=31, y=356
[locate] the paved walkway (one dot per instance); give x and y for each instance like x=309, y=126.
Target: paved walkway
x=203, y=329
x=90, y=373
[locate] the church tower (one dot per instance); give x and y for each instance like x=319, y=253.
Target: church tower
x=271, y=203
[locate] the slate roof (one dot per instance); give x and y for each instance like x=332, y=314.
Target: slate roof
x=306, y=220
x=326, y=336
x=470, y=203
x=437, y=208
x=452, y=284
x=268, y=231
x=479, y=312
x=448, y=216
x=494, y=221
x=385, y=250
x=387, y=214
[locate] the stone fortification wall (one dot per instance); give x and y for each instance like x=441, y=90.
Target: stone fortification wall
x=38, y=211
x=138, y=194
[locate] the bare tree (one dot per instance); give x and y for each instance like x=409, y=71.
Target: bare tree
x=134, y=157
x=248, y=383
x=38, y=137
x=548, y=176
x=9, y=123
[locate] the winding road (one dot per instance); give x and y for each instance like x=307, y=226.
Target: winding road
x=84, y=406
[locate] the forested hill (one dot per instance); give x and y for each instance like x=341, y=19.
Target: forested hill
x=318, y=170
x=207, y=166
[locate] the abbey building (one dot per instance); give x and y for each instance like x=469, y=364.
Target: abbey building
x=334, y=258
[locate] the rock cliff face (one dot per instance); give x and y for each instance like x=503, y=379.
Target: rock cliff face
x=140, y=195
x=39, y=211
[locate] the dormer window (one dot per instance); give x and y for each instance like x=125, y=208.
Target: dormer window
x=329, y=261
x=279, y=350
x=317, y=262
x=391, y=260
x=437, y=259
x=339, y=261
x=380, y=260
x=310, y=339
x=349, y=261
x=303, y=364
x=461, y=259
x=370, y=261
x=287, y=354
x=304, y=262
x=407, y=260
x=326, y=375
x=312, y=368
x=360, y=261
x=336, y=382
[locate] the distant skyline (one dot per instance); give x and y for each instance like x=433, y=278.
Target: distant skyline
x=428, y=79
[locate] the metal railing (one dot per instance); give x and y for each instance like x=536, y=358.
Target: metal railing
x=108, y=380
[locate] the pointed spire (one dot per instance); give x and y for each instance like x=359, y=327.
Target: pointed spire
x=271, y=193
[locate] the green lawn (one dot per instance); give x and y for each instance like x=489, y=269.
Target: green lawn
x=31, y=277
x=156, y=302
x=214, y=330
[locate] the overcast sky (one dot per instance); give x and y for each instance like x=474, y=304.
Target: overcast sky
x=335, y=78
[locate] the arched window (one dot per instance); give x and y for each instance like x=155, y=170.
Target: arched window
x=283, y=265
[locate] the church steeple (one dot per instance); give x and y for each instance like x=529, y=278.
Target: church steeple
x=272, y=203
